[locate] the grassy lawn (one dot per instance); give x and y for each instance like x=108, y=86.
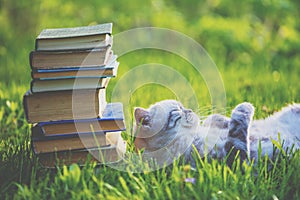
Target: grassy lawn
x=256, y=48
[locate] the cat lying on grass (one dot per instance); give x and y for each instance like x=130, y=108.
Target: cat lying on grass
x=167, y=130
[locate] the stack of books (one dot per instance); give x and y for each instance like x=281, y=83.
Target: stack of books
x=66, y=103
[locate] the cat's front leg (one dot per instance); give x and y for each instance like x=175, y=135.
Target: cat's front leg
x=237, y=140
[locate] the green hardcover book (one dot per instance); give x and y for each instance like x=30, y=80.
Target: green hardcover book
x=85, y=37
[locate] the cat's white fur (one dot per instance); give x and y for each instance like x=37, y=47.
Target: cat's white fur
x=215, y=134
x=286, y=123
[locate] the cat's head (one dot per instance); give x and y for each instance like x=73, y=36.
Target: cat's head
x=163, y=122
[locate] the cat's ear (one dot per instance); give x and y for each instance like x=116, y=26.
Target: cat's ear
x=142, y=116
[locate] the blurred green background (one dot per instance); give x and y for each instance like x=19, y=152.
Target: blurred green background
x=251, y=39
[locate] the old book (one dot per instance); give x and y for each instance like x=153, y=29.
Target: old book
x=38, y=85
x=69, y=59
x=64, y=105
x=112, y=120
x=112, y=153
x=45, y=144
x=109, y=70
x=85, y=37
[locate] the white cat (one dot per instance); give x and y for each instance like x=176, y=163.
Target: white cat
x=167, y=130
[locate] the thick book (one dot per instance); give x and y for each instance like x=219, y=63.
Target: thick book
x=38, y=85
x=69, y=59
x=64, y=105
x=109, y=70
x=45, y=144
x=112, y=153
x=85, y=37
x=112, y=120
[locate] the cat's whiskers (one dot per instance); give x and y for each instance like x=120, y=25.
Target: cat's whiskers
x=206, y=111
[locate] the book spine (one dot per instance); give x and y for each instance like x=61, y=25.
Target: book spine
x=25, y=106
x=65, y=58
x=72, y=135
x=36, y=44
x=38, y=135
x=57, y=144
x=47, y=106
x=32, y=86
x=32, y=74
x=52, y=159
x=31, y=56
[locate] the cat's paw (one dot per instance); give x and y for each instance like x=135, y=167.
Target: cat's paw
x=216, y=121
x=237, y=140
x=243, y=113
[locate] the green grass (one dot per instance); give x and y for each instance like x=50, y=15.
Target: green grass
x=255, y=45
